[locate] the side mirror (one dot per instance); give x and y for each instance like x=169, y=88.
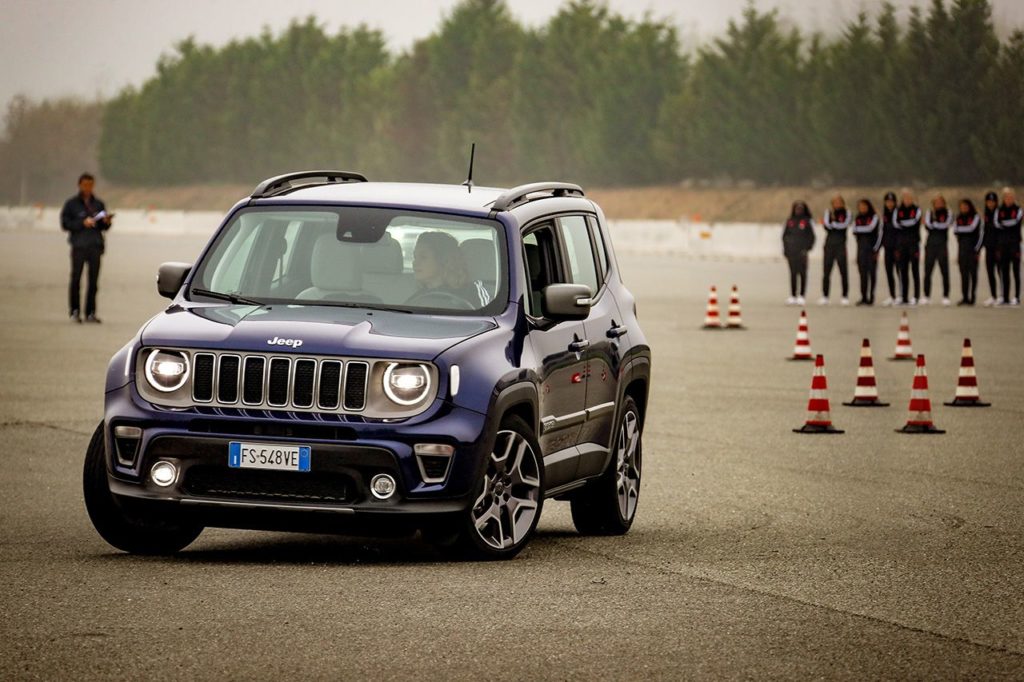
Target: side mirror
x=566, y=302
x=170, y=277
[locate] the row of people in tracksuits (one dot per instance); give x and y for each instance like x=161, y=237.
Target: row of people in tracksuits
x=897, y=229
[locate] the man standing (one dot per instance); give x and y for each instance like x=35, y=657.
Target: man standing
x=85, y=219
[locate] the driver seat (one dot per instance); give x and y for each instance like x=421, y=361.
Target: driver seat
x=336, y=272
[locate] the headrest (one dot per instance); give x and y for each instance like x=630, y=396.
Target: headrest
x=383, y=256
x=336, y=265
x=480, y=259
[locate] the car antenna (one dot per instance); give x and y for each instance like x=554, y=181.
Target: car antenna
x=469, y=180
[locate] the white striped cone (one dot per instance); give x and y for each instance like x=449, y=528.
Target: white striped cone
x=711, y=319
x=967, y=384
x=865, y=394
x=904, y=351
x=735, y=319
x=920, y=420
x=819, y=416
x=802, y=348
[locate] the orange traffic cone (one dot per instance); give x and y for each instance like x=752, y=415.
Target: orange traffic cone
x=734, y=320
x=904, y=351
x=802, y=348
x=819, y=418
x=711, y=319
x=920, y=406
x=866, y=392
x=967, y=384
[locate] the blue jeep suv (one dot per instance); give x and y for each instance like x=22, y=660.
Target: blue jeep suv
x=366, y=358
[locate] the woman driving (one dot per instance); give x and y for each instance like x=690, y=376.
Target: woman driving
x=440, y=270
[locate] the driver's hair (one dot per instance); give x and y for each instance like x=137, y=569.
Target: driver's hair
x=449, y=256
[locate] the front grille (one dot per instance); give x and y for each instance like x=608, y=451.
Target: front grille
x=277, y=392
x=355, y=385
x=330, y=384
x=252, y=380
x=202, y=377
x=268, y=486
x=305, y=375
x=227, y=379
x=272, y=381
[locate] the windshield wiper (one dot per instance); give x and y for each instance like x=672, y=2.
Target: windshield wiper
x=347, y=304
x=233, y=298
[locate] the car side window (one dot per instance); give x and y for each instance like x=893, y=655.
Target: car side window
x=539, y=250
x=579, y=251
x=602, y=252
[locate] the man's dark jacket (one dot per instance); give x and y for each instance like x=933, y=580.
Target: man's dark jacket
x=72, y=220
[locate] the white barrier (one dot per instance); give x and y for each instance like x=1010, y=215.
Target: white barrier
x=682, y=238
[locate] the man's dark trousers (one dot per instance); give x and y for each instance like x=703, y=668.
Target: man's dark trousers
x=82, y=257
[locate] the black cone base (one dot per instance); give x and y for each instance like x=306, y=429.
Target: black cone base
x=816, y=428
x=957, y=402
x=919, y=428
x=901, y=359
x=800, y=359
x=865, y=403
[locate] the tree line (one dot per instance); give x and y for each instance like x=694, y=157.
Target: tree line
x=934, y=96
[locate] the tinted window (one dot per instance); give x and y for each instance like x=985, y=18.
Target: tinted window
x=602, y=254
x=539, y=254
x=576, y=236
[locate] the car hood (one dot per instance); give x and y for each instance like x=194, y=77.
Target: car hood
x=322, y=330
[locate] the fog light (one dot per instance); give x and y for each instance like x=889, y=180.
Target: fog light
x=382, y=486
x=163, y=474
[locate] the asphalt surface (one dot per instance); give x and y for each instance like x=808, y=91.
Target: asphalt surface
x=757, y=552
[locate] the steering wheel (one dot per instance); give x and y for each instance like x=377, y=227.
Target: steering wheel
x=443, y=299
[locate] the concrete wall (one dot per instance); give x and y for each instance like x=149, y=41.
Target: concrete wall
x=683, y=238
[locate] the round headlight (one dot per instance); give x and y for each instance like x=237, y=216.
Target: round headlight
x=406, y=384
x=167, y=370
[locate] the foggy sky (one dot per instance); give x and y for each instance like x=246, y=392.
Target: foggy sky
x=73, y=47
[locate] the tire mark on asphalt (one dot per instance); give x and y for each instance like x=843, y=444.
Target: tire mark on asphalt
x=797, y=600
x=45, y=425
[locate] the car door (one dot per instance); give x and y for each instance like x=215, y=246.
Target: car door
x=559, y=347
x=587, y=264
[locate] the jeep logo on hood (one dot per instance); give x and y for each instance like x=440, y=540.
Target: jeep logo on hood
x=277, y=341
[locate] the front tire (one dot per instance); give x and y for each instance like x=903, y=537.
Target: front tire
x=508, y=497
x=607, y=505
x=129, y=531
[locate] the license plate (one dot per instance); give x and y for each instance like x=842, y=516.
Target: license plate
x=268, y=456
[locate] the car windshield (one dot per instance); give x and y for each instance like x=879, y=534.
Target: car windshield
x=357, y=257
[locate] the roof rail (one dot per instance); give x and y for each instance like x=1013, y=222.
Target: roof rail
x=281, y=183
x=521, y=194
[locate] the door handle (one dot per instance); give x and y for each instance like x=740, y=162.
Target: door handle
x=616, y=330
x=579, y=345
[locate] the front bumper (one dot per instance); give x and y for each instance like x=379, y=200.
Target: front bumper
x=334, y=495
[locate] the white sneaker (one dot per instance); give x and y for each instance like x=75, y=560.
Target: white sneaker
x=897, y=301
x=888, y=303
x=989, y=302
x=924, y=300
x=912, y=301
x=800, y=300
x=999, y=301
x=823, y=300
x=844, y=301
x=791, y=300
x=1014, y=301
x=946, y=302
